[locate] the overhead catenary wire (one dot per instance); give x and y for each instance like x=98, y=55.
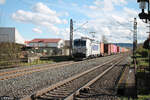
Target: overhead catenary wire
x=80, y=27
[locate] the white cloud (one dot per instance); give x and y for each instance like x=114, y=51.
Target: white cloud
x=23, y=16
x=106, y=5
x=130, y=12
x=2, y=1
x=63, y=14
x=119, y=2
x=103, y=17
x=93, y=7
x=65, y=33
x=42, y=16
x=116, y=25
x=19, y=38
x=37, y=30
x=43, y=9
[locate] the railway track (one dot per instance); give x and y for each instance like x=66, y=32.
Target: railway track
x=102, y=87
x=68, y=88
x=24, y=71
x=20, y=72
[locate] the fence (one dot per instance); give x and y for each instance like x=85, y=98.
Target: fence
x=21, y=62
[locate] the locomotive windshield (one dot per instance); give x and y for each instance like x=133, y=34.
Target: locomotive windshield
x=79, y=43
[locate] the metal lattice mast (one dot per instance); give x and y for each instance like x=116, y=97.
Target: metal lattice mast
x=71, y=37
x=134, y=37
x=149, y=44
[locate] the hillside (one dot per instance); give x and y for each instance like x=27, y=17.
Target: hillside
x=127, y=45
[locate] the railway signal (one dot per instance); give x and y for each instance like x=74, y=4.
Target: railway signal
x=145, y=16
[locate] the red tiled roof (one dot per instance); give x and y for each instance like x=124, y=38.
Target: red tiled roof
x=26, y=42
x=45, y=40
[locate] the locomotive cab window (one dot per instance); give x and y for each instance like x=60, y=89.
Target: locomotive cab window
x=80, y=43
x=76, y=43
x=83, y=43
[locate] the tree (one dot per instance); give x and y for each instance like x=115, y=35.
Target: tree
x=104, y=39
x=9, y=51
x=146, y=44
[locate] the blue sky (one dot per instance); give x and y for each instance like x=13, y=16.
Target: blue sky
x=50, y=18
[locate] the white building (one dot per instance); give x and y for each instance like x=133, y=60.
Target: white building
x=53, y=43
x=10, y=34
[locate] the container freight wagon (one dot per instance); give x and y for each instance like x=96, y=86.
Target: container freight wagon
x=123, y=50
x=114, y=49
x=111, y=49
x=95, y=51
x=107, y=49
x=118, y=49
x=101, y=49
x=126, y=50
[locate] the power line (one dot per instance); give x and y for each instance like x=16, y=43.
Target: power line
x=80, y=26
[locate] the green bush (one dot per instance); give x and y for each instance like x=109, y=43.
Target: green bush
x=9, y=51
x=143, y=52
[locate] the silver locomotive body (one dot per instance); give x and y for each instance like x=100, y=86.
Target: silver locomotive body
x=85, y=48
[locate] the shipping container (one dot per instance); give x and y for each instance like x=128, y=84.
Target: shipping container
x=114, y=49
x=126, y=50
x=102, y=49
x=118, y=49
x=123, y=50
x=107, y=49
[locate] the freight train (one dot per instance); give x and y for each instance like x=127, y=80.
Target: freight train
x=85, y=48
x=88, y=48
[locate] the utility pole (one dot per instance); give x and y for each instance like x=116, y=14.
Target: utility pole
x=134, y=39
x=149, y=45
x=71, y=37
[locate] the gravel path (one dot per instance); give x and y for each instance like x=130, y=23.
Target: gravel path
x=28, y=84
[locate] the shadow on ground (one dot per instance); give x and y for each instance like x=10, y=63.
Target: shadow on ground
x=56, y=58
x=143, y=83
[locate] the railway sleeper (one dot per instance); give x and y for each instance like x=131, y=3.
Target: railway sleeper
x=60, y=93
x=55, y=95
x=49, y=98
x=68, y=86
x=60, y=90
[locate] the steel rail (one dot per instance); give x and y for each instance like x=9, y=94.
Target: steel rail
x=21, y=72
x=16, y=73
x=26, y=69
x=71, y=96
x=64, y=82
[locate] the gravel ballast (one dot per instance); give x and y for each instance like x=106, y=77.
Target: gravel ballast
x=28, y=84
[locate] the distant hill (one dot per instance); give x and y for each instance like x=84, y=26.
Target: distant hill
x=127, y=45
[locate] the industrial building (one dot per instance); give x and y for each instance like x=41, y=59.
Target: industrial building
x=10, y=34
